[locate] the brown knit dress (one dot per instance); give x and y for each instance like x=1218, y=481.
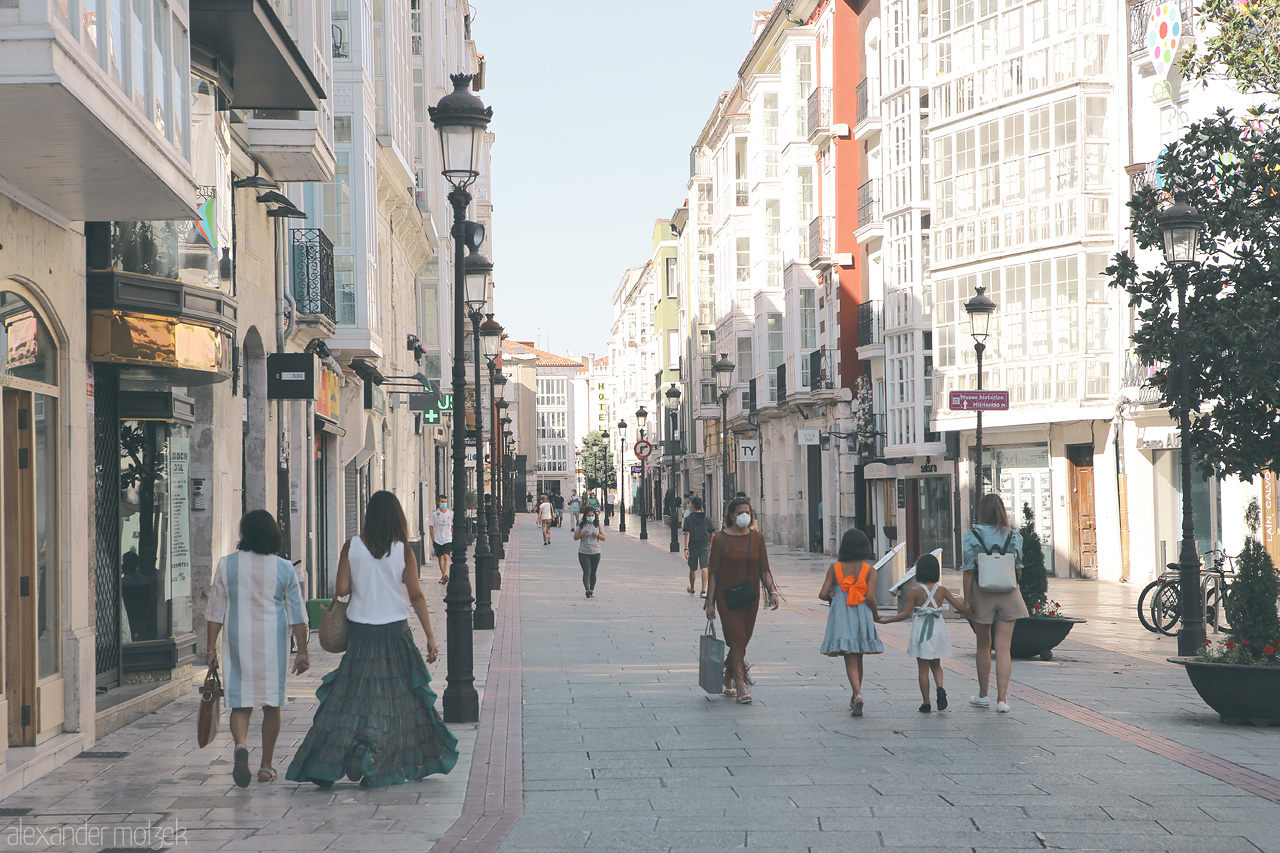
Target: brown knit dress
x=730, y=565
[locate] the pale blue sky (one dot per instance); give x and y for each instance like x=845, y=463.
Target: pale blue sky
x=595, y=108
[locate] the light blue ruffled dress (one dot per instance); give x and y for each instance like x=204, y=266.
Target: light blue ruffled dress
x=850, y=630
x=930, y=639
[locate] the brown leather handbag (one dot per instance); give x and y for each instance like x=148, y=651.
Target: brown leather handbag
x=210, y=707
x=333, y=627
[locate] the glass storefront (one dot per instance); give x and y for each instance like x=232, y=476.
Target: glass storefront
x=1021, y=477
x=155, y=559
x=1206, y=507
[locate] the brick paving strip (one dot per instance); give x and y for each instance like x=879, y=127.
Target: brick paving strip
x=495, y=789
x=1196, y=759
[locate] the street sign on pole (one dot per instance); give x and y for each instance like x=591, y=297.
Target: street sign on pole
x=805, y=437
x=748, y=450
x=643, y=449
x=979, y=401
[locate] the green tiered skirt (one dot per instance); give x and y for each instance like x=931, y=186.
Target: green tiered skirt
x=379, y=696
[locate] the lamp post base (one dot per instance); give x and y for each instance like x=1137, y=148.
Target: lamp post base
x=460, y=705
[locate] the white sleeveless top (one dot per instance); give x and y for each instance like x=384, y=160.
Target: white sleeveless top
x=377, y=594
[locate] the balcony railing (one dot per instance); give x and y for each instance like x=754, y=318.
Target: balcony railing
x=819, y=111
x=868, y=98
x=1140, y=12
x=821, y=231
x=869, y=203
x=874, y=449
x=313, y=287
x=741, y=194
x=870, y=323
x=820, y=371
x=1138, y=375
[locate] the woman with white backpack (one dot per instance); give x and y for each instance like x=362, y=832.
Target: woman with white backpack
x=992, y=565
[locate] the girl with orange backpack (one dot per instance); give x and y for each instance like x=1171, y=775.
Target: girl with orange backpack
x=851, y=625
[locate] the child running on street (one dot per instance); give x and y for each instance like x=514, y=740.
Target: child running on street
x=930, y=641
x=851, y=624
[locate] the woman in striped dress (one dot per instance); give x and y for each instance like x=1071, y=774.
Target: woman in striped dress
x=256, y=596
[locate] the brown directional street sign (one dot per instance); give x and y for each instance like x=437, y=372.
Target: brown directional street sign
x=979, y=401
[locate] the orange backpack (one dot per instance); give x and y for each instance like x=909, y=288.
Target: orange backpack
x=856, y=589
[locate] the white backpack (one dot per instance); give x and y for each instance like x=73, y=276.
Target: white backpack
x=997, y=569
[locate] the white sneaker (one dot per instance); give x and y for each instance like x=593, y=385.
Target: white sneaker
x=1002, y=707
x=980, y=701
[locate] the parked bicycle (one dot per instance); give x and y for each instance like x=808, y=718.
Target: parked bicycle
x=1159, y=604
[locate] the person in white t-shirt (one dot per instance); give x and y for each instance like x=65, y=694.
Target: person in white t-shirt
x=441, y=528
x=545, y=514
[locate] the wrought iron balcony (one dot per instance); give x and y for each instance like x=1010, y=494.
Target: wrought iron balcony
x=870, y=323
x=868, y=100
x=821, y=233
x=313, y=283
x=819, y=111
x=821, y=372
x=1138, y=375
x=868, y=204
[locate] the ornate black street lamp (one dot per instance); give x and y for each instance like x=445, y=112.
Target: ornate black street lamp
x=1181, y=224
x=642, y=415
x=622, y=462
x=491, y=342
x=480, y=294
x=461, y=119
x=673, y=408
x=979, y=308
x=724, y=382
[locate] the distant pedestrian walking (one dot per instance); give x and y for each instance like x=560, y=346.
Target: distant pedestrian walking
x=930, y=640
x=546, y=515
x=698, y=533
x=440, y=526
x=739, y=566
x=377, y=721
x=574, y=506
x=557, y=501
x=256, y=595
x=851, y=624
x=994, y=613
x=610, y=499
x=589, y=535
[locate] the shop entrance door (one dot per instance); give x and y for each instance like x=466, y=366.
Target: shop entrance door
x=814, y=497
x=1084, y=534
x=18, y=523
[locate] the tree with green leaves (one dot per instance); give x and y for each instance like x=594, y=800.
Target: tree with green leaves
x=1251, y=598
x=1236, y=41
x=1228, y=168
x=598, y=464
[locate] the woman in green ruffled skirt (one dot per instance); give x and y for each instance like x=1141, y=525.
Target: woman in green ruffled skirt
x=377, y=722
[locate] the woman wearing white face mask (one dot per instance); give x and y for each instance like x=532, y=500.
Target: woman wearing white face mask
x=739, y=567
x=589, y=536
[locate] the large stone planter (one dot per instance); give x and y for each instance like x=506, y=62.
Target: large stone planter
x=1239, y=693
x=1039, y=635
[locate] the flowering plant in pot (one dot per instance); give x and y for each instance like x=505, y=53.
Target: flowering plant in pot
x=1240, y=676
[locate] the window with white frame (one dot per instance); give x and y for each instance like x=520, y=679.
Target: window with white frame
x=673, y=349
x=804, y=85
x=804, y=204
x=551, y=393
x=770, y=102
x=808, y=332
x=775, y=345
x=553, y=457
x=743, y=251
x=773, y=242
x=745, y=370
x=552, y=424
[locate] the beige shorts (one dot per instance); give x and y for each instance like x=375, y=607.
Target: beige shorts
x=991, y=607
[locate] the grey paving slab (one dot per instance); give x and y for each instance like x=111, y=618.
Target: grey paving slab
x=806, y=776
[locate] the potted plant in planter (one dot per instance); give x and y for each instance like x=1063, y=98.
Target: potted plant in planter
x=1240, y=677
x=1046, y=627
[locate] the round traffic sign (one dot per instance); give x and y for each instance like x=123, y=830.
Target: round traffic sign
x=643, y=449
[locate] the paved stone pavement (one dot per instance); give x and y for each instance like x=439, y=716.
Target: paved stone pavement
x=1107, y=747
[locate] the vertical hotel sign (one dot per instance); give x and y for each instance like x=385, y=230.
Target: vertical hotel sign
x=1269, y=512
x=327, y=400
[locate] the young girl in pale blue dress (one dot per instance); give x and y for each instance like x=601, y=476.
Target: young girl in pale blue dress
x=930, y=641
x=851, y=625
